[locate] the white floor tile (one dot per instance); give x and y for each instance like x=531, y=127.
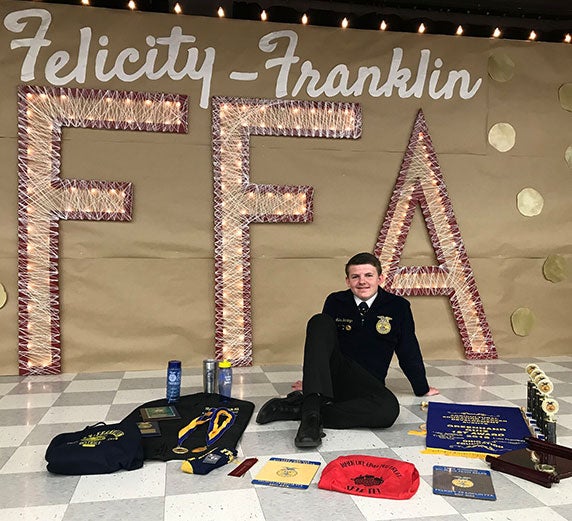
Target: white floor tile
x=43, y=513
x=425, y=462
x=520, y=378
x=350, y=441
x=284, y=376
x=7, y=387
x=64, y=377
x=248, y=370
x=406, y=416
x=525, y=514
x=508, y=392
x=192, y=380
x=565, y=420
x=160, y=373
x=28, y=401
x=22, y=467
x=558, y=494
x=244, y=391
x=238, y=505
x=465, y=370
x=423, y=503
x=148, y=481
x=449, y=382
x=83, y=386
x=88, y=414
x=138, y=396
x=13, y=436
x=552, y=368
x=29, y=458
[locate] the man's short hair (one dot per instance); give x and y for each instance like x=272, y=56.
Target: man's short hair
x=364, y=258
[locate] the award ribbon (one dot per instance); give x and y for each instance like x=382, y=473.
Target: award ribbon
x=220, y=420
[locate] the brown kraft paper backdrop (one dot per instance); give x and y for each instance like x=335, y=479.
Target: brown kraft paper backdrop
x=136, y=294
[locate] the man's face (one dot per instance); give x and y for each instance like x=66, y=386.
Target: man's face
x=363, y=280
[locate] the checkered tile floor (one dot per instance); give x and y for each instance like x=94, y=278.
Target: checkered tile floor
x=34, y=409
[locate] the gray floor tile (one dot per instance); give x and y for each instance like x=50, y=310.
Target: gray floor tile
x=267, y=440
x=40, y=489
x=486, y=380
x=22, y=416
x=142, y=383
x=249, y=378
x=39, y=387
x=469, y=395
x=43, y=434
x=265, y=443
x=280, y=368
x=399, y=437
x=5, y=453
x=99, y=398
x=111, y=375
x=564, y=510
x=8, y=379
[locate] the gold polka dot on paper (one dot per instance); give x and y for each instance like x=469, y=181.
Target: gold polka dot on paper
x=522, y=321
x=529, y=202
x=555, y=268
x=500, y=67
x=568, y=156
x=3, y=296
x=502, y=136
x=565, y=96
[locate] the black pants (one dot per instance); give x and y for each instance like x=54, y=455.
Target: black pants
x=353, y=396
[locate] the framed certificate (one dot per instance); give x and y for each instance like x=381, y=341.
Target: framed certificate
x=167, y=412
x=149, y=429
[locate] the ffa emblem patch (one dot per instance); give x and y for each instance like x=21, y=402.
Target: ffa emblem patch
x=368, y=480
x=462, y=482
x=383, y=326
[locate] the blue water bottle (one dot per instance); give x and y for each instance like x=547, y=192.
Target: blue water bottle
x=173, y=381
x=225, y=378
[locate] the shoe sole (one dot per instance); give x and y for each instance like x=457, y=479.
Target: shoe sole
x=307, y=444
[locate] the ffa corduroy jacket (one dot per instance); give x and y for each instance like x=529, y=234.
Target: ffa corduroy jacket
x=387, y=328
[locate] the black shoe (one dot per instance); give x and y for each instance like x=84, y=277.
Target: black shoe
x=289, y=408
x=310, y=432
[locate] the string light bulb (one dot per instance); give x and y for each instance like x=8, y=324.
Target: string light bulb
x=459, y=30
x=532, y=36
x=345, y=23
x=263, y=16
x=84, y=2
x=568, y=38
x=305, y=19
x=220, y=12
x=421, y=29
x=383, y=25
x=178, y=9
x=132, y=5
x=496, y=33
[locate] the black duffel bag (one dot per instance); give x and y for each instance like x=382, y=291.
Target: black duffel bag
x=97, y=449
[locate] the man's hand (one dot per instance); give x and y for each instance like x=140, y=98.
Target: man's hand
x=297, y=385
x=432, y=391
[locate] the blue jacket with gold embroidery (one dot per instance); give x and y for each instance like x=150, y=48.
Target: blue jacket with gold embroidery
x=387, y=328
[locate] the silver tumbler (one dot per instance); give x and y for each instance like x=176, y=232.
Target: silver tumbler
x=209, y=375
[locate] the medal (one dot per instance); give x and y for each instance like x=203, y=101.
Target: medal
x=219, y=420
